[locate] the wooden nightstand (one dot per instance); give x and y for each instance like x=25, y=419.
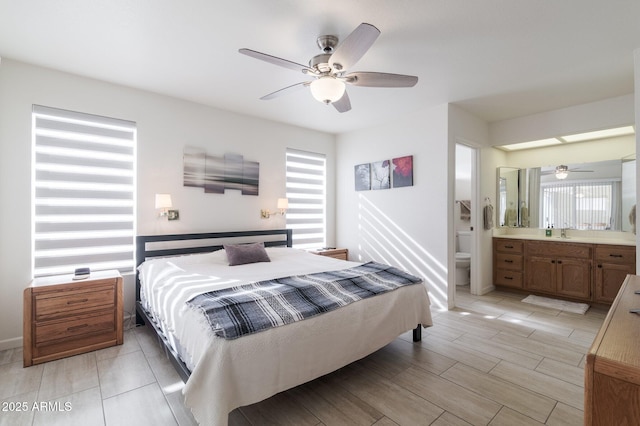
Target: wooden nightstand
x=337, y=253
x=64, y=317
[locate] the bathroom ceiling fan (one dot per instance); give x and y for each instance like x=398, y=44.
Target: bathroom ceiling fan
x=562, y=171
x=329, y=69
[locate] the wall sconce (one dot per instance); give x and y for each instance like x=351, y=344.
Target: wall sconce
x=163, y=202
x=282, y=205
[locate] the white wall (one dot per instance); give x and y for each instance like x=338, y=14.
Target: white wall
x=604, y=114
x=573, y=153
x=490, y=160
x=411, y=227
x=406, y=227
x=165, y=126
x=462, y=186
x=469, y=130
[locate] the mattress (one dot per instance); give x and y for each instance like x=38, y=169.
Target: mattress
x=226, y=374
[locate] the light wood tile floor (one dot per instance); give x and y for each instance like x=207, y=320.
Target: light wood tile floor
x=492, y=361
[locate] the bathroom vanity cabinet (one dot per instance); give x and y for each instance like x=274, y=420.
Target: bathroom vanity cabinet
x=573, y=270
x=559, y=268
x=508, y=262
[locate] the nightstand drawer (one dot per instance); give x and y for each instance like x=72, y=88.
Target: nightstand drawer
x=51, y=305
x=78, y=326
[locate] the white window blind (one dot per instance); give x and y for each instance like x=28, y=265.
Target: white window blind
x=581, y=205
x=306, y=191
x=83, y=192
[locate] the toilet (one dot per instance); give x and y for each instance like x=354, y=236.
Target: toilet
x=463, y=258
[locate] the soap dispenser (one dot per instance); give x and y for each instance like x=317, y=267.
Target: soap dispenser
x=548, y=232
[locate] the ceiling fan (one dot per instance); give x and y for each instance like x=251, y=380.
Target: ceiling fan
x=562, y=171
x=329, y=68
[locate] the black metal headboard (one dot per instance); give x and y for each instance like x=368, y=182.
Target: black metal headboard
x=188, y=244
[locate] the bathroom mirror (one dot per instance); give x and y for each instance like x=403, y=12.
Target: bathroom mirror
x=594, y=196
x=508, y=194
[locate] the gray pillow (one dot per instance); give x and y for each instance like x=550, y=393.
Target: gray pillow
x=241, y=254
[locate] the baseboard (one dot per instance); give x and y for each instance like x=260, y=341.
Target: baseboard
x=486, y=290
x=16, y=342
x=129, y=321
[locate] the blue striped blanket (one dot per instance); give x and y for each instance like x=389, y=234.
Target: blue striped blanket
x=255, y=307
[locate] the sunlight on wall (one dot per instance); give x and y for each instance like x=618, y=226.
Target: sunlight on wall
x=383, y=240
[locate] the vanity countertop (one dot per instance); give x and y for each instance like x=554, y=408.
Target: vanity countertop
x=574, y=237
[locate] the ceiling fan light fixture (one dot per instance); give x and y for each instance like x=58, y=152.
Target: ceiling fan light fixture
x=327, y=89
x=562, y=172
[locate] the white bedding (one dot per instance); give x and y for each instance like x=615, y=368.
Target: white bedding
x=227, y=374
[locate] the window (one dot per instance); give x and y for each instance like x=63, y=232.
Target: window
x=306, y=191
x=577, y=205
x=83, y=192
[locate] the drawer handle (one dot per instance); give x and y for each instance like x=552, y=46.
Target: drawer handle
x=599, y=266
x=73, y=302
x=508, y=246
x=508, y=278
x=508, y=261
x=616, y=255
x=77, y=327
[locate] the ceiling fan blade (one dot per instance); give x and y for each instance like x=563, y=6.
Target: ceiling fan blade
x=277, y=61
x=380, y=79
x=353, y=47
x=343, y=104
x=286, y=90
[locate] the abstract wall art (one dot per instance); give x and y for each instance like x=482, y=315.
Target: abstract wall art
x=402, y=174
x=362, y=176
x=218, y=174
x=384, y=174
x=380, y=177
x=194, y=163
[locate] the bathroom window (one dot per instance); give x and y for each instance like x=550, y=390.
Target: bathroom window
x=582, y=206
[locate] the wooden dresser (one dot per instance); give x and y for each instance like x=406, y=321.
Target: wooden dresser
x=612, y=371
x=64, y=317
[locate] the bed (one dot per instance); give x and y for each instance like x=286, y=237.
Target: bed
x=222, y=374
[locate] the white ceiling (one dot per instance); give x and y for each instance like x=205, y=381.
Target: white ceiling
x=497, y=59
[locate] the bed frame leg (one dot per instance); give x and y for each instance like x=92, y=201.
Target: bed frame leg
x=139, y=319
x=417, y=333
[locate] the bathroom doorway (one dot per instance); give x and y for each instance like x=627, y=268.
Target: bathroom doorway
x=465, y=210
